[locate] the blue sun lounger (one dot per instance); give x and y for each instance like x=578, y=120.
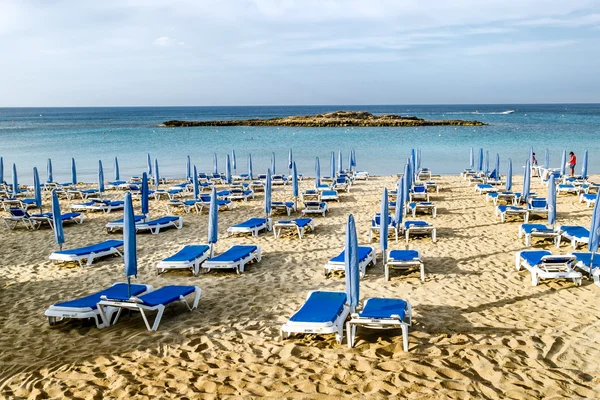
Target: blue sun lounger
x=329, y=195
x=83, y=194
x=393, y=229
x=286, y=206
x=186, y=205
x=155, y=225
x=299, y=225
x=381, y=313
x=252, y=225
x=483, y=188
x=537, y=206
x=588, y=198
x=504, y=211
x=155, y=300
x=99, y=205
x=404, y=259
x=189, y=256
x=419, y=228
x=119, y=223
x=89, y=253
x=35, y=221
x=315, y=207
x=538, y=231
x=421, y=207
x=322, y=313
x=543, y=265
x=87, y=307
x=584, y=263
x=366, y=256
x=236, y=257
x=575, y=233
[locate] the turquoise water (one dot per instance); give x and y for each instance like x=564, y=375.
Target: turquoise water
x=29, y=136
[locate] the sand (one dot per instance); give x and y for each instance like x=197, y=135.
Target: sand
x=480, y=329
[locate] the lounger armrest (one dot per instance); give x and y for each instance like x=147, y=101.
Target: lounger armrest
x=132, y=299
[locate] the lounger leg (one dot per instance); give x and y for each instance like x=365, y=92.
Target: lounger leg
x=434, y=235
x=349, y=335
x=534, y=279
x=404, y=328
x=387, y=272
x=527, y=240
x=422, y=272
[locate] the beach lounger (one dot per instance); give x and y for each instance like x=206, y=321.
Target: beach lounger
x=185, y=205
x=419, y=193
x=99, y=205
x=278, y=180
x=46, y=218
x=584, y=263
x=252, y=225
x=88, y=253
x=310, y=194
x=299, y=225
x=404, y=259
x=114, y=185
x=419, y=228
x=538, y=231
x=341, y=183
x=494, y=178
x=329, y=195
x=171, y=194
x=189, y=256
x=361, y=175
x=376, y=226
x=588, y=198
x=83, y=194
x=286, y=206
x=381, y=313
x=236, y=257
x=424, y=174
x=543, y=265
x=510, y=211
x=421, y=207
x=575, y=234
x=315, y=207
x=483, y=188
x=536, y=206
x=476, y=178
x=155, y=225
x=257, y=186
x=155, y=300
x=322, y=313
x=566, y=188
x=366, y=256
x=591, y=187
x=497, y=197
x=240, y=194
x=17, y=216
x=432, y=187
x=87, y=307
x=118, y=224
x=204, y=202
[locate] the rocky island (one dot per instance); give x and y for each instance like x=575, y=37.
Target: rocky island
x=333, y=119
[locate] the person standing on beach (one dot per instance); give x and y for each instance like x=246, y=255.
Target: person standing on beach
x=572, y=163
x=533, y=159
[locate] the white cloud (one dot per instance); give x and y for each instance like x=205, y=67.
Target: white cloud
x=518, y=47
x=165, y=41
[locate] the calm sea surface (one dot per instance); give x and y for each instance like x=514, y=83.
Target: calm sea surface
x=29, y=136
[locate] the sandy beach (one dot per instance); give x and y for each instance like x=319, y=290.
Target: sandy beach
x=480, y=329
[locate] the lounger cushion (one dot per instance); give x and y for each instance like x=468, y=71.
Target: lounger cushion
x=530, y=228
x=379, y=308
x=300, y=222
x=96, y=248
x=161, y=220
x=586, y=258
x=251, y=223
x=534, y=257
x=188, y=253
x=575, y=231
x=321, y=307
x=166, y=295
x=116, y=291
x=420, y=224
x=326, y=193
x=235, y=253
x=404, y=255
x=287, y=204
x=363, y=253
x=484, y=186
x=504, y=209
x=136, y=218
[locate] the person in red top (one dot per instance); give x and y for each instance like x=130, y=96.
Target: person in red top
x=572, y=163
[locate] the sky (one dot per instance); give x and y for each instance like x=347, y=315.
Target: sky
x=297, y=52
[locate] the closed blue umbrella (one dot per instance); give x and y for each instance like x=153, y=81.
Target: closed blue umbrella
x=273, y=163
x=295, y=190
x=15, y=181
x=584, y=165
x=418, y=159
x=531, y=155
x=195, y=180
x=409, y=174
x=250, y=166
x=563, y=163
x=497, y=166
x=486, y=163
x=37, y=190
x=526, y=182
x=233, y=160
x=547, y=159
x=406, y=181
x=552, y=201
x=413, y=161
x=49, y=169
x=59, y=234
x=351, y=267
x=268, y=194
x=317, y=173
x=215, y=164
x=129, y=241
x=188, y=170
x=350, y=161
x=594, y=238
x=100, y=177
x=353, y=158
x=1, y=170
x=145, y=193
x=332, y=165
x=471, y=159
x=384, y=216
x=156, y=174
x=117, y=174
x=400, y=199
x=290, y=159
x=213, y=220
x=340, y=163
x=149, y=163
x=228, y=169
x=480, y=160
x=509, y=176
x=73, y=172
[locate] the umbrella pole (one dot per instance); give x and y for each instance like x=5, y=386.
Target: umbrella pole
x=591, y=266
x=129, y=286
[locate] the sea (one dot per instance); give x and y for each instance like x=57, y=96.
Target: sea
x=31, y=136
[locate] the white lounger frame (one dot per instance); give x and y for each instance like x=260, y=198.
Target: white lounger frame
x=239, y=265
x=575, y=240
x=255, y=230
x=315, y=209
x=379, y=323
x=558, y=271
x=135, y=304
x=404, y=265
x=89, y=257
x=362, y=265
x=521, y=212
x=155, y=229
x=163, y=265
x=539, y=234
x=421, y=230
x=281, y=206
x=279, y=226
x=425, y=208
x=317, y=328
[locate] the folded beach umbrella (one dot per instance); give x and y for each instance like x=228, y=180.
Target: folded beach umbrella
x=188, y=170
x=273, y=163
x=552, y=201
x=406, y=182
x=1, y=170
x=480, y=160
x=486, y=163
x=156, y=174
x=250, y=166
x=117, y=174
x=497, y=166
x=384, y=216
x=317, y=173
x=563, y=163
x=73, y=172
x=267, y=205
x=15, y=184
x=59, y=234
x=49, y=169
x=195, y=180
x=351, y=266
x=145, y=193
x=418, y=159
x=332, y=165
x=584, y=165
x=215, y=164
x=100, y=177
x=290, y=159
x=509, y=176
x=413, y=161
x=547, y=159
x=350, y=161
x=149, y=163
x=129, y=241
x=353, y=158
x=526, y=182
x=295, y=191
x=400, y=199
x=340, y=163
x=228, y=169
x=531, y=155
x=37, y=190
x=471, y=159
x=594, y=238
x=233, y=160
x=213, y=220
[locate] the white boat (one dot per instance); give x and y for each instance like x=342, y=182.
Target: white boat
x=508, y=112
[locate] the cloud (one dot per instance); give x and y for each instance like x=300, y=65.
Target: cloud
x=522, y=47
x=165, y=41
x=568, y=22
